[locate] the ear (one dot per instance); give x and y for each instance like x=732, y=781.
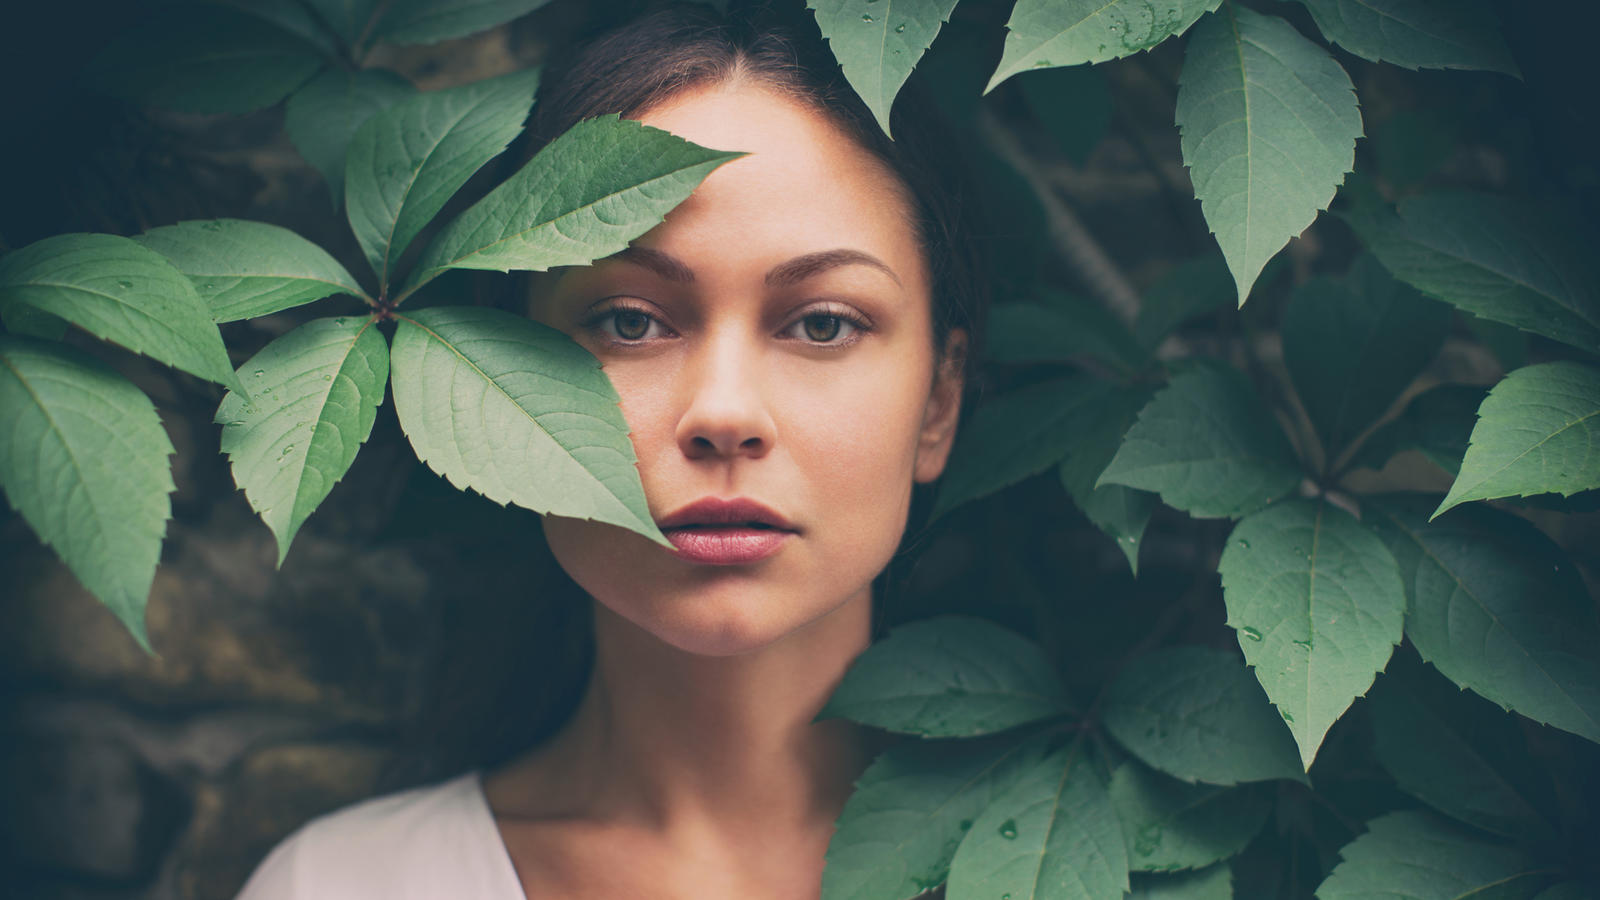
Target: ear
x=943, y=410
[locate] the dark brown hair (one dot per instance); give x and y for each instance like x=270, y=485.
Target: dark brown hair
x=512, y=671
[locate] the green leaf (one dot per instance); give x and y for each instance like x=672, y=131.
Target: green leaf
x=1045, y=33
x=1538, y=432
x=20, y=318
x=1417, y=856
x=1016, y=435
x=1317, y=602
x=1214, y=883
x=1208, y=446
x=1416, y=34
x=949, y=676
x=910, y=810
x=322, y=117
x=347, y=18
x=1437, y=422
x=518, y=412
x=115, y=289
x=604, y=182
x=1197, y=714
x=1121, y=512
x=1269, y=125
x=203, y=58
x=314, y=396
x=1053, y=835
x=407, y=161
x=1495, y=257
x=1353, y=345
x=1060, y=330
x=1194, y=287
x=243, y=269
x=1498, y=608
x=292, y=16
x=429, y=21
x=1169, y=825
x=877, y=45
x=84, y=460
x=1457, y=753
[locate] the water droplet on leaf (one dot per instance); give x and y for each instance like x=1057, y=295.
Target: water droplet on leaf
x=124, y=283
x=900, y=29
x=866, y=17
x=1286, y=717
x=1252, y=634
x=260, y=372
x=1008, y=829
x=1244, y=544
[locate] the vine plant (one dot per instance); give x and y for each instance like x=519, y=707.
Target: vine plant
x=1013, y=790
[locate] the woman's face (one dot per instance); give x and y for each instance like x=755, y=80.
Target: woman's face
x=772, y=341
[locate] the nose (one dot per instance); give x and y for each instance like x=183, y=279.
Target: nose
x=726, y=414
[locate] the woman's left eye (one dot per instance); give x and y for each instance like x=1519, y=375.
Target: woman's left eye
x=627, y=325
x=826, y=328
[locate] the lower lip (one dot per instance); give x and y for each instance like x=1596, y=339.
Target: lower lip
x=726, y=546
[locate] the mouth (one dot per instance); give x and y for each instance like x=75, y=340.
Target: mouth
x=714, y=531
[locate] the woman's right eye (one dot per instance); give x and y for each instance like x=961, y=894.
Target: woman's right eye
x=627, y=325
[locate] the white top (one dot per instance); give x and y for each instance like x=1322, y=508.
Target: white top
x=437, y=842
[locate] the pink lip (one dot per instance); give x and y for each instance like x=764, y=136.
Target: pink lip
x=721, y=532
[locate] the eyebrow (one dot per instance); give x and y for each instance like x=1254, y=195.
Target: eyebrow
x=787, y=273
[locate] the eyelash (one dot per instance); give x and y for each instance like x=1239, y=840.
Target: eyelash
x=857, y=322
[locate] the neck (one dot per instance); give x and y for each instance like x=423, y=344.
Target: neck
x=678, y=741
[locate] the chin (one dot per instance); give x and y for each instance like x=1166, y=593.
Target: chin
x=727, y=619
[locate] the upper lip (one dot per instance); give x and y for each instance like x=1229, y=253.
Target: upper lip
x=716, y=511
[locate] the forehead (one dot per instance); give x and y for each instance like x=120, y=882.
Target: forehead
x=806, y=184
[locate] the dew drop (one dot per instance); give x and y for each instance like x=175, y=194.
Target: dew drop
x=866, y=17
x=966, y=824
x=1008, y=829
x=338, y=322
x=1286, y=717
x=327, y=378
x=260, y=372
x=900, y=29
x=1305, y=644
x=124, y=283
x=1243, y=544
x=1252, y=634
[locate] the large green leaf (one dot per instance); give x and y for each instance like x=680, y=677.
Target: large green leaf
x=1269, y=123
x=1416, y=34
x=1498, y=608
x=1053, y=835
x=314, y=394
x=877, y=44
x=322, y=117
x=1416, y=856
x=1495, y=257
x=204, y=58
x=1214, y=883
x=949, y=676
x=910, y=810
x=246, y=269
x=115, y=289
x=1208, y=446
x=428, y=21
x=1121, y=512
x=84, y=460
x=1169, y=825
x=293, y=16
x=1436, y=422
x=349, y=19
x=406, y=161
x=1538, y=432
x=518, y=412
x=1353, y=345
x=1317, y=602
x=604, y=182
x=1045, y=33
x=1458, y=753
x=1016, y=435
x=1196, y=714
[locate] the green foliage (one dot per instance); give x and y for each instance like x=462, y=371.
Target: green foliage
x=430, y=21
x=1071, y=32
x=314, y=394
x=1416, y=34
x=1495, y=257
x=1207, y=446
x=1169, y=825
x=595, y=188
x=951, y=676
x=243, y=270
x=1538, y=432
x=85, y=463
x=1215, y=883
x=408, y=160
x=1414, y=854
x=517, y=412
x=118, y=290
x=1197, y=715
x=878, y=45
x=1317, y=602
x=322, y=117
x=1269, y=123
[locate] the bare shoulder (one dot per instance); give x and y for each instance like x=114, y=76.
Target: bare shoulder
x=391, y=846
